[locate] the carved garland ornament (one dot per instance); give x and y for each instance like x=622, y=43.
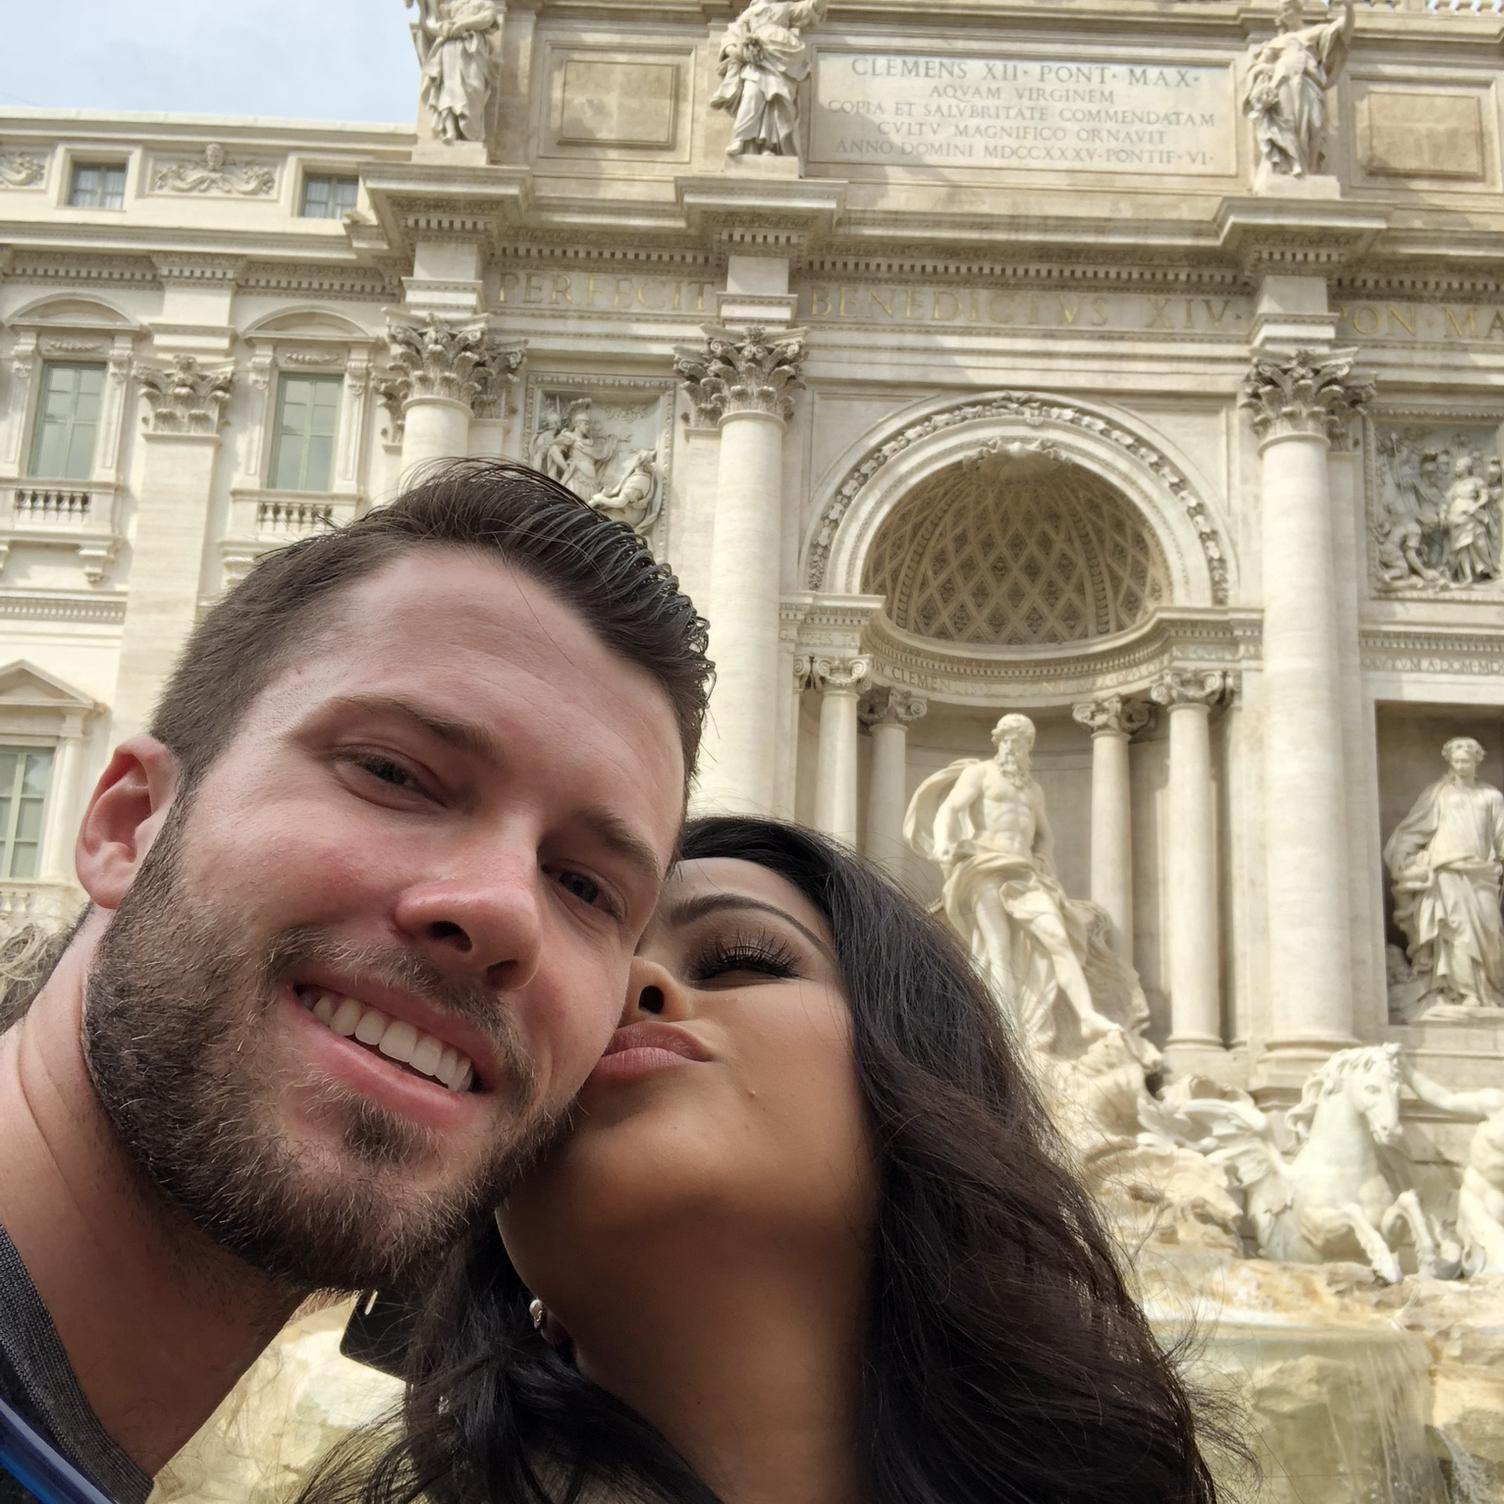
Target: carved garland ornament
x=1308, y=394
x=1033, y=410
x=20, y=169
x=183, y=397
x=754, y=371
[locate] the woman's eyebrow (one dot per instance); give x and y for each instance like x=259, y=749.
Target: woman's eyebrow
x=687, y=910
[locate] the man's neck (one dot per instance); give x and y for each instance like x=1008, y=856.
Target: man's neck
x=157, y=1321
x=752, y=1376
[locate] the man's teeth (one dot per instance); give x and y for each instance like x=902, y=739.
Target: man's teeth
x=394, y=1038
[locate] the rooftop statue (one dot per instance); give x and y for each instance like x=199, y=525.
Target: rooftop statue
x=454, y=39
x=762, y=63
x=1288, y=77
x=1446, y=858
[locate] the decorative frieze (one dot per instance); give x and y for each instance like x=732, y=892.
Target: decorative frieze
x=756, y=370
x=1113, y=716
x=184, y=398
x=458, y=362
x=1308, y=393
x=215, y=172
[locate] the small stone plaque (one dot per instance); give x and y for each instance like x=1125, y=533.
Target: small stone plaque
x=945, y=110
x=608, y=103
x=1421, y=135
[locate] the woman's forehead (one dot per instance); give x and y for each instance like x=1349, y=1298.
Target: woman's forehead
x=720, y=876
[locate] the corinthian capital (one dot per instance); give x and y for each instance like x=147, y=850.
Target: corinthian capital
x=1304, y=393
x=461, y=361
x=887, y=706
x=755, y=370
x=1113, y=715
x=183, y=397
x=1178, y=687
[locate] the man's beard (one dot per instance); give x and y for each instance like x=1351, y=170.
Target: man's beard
x=176, y=999
x=1015, y=768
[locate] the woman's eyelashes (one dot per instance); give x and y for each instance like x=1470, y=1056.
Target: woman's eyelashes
x=759, y=954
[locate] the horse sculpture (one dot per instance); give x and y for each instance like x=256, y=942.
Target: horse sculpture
x=1330, y=1190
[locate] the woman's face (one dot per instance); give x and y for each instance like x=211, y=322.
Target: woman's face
x=727, y=1108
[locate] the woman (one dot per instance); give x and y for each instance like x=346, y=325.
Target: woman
x=808, y=1241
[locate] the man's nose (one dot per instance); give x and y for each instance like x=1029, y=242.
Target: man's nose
x=653, y=991
x=484, y=924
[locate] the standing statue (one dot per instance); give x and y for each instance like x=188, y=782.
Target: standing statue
x=983, y=820
x=1446, y=858
x=1480, y=1200
x=1335, y=1185
x=762, y=63
x=1288, y=77
x=1471, y=539
x=455, y=39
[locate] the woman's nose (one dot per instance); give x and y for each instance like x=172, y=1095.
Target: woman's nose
x=653, y=992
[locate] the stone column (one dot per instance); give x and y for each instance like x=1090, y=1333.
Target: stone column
x=888, y=713
x=840, y=681
x=186, y=409
x=1113, y=722
x=1195, y=968
x=745, y=379
x=442, y=372
x=1299, y=404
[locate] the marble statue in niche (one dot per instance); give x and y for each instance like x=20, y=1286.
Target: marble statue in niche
x=1440, y=511
x=763, y=61
x=1446, y=862
x=1285, y=93
x=1047, y=958
x=636, y=499
x=455, y=41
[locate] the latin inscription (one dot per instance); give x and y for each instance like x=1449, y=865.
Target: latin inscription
x=1003, y=308
x=605, y=292
x=1435, y=323
x=948, y=111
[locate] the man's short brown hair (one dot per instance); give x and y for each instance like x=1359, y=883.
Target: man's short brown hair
x=492, y=508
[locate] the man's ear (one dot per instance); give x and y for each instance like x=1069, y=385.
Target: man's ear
x=125, y=812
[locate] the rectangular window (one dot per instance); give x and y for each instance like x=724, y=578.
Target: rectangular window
x=24, y=775
x=303, y=440
x=326, y=197
x=97, y=185
x=67, y=423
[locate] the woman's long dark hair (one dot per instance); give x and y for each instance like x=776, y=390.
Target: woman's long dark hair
x=1005, y=1360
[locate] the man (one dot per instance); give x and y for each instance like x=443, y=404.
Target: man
x=361, y=910
x=983, y=820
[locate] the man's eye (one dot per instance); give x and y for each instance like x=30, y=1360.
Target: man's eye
x=386, y=770
x=586, y=889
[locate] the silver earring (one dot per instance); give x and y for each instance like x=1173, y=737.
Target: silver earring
x=538, y=1312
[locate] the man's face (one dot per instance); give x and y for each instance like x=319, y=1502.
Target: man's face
x=447, y=822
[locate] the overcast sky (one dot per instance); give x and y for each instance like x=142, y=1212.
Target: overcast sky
x=302, y=59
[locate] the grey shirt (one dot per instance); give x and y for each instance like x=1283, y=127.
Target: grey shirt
x=37, y=1380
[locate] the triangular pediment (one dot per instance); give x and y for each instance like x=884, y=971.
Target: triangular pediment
x=24, y=684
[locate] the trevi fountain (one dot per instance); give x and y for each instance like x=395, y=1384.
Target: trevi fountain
x=1079, y=421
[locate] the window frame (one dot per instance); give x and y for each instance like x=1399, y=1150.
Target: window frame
x=50, y=364
x=333, y=180
x=9, y=823
x=80, y=164
x=314, y=379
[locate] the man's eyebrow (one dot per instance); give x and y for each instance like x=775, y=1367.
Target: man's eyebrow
x=687, y=910
x=611, y=830
x=465, y=736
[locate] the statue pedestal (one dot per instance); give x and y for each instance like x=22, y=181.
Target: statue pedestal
x=759, y=164
x=451, y=153
x=1270, y=184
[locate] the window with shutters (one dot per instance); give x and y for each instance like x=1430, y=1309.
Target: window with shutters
x=67, y=421
x=25, y=773
x=307, y=415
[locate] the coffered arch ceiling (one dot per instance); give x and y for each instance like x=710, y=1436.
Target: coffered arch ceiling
x=1016, y=552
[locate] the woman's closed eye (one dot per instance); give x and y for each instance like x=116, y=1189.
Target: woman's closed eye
x=758, y=954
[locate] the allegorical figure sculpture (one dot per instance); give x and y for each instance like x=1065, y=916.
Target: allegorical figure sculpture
x=762, y=63
x=454, y=40
x=1446, y=859
x=984, y=821
x=1288, y=77
x=635, y=499
x=1480, y=1198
